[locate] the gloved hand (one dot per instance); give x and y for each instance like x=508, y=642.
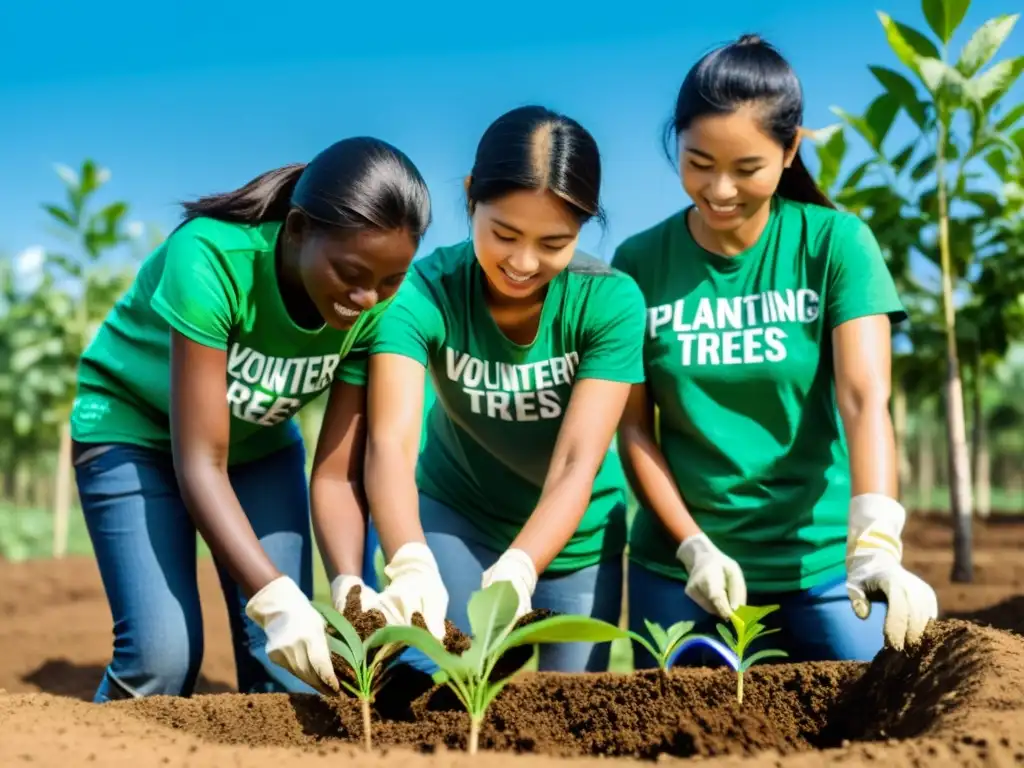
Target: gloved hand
x=296, y=633
x=874, y=551
x=415, y=586
x=714, y=582
x=517, y=568
x=342, y=584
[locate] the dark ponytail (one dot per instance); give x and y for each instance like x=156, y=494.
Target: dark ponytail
x=265, y=198
x=356, y=183
x=751, y=71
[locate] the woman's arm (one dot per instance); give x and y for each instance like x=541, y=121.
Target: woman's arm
x=863, y=371
x=336, y=482
x=646, y=469
x=582, y=445
x=200, y=430
x=395, y=413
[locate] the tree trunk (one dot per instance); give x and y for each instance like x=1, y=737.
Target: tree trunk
x=981, y=456
x=956, y=427
x=925, y=464
x=899, y=420
x=62, y=492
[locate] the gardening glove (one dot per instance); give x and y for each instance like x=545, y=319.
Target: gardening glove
x=714, y=582
x=517, y=568
x=874, y=551
x=342, y=584
x=296, y=633
x=415, y=587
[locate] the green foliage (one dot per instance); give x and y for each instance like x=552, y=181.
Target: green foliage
x=746, y=621
x=369, y=670
x=666, y=642
x=491, y=619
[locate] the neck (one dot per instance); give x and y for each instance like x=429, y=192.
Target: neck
x=296, y=300
x=731, y=242
x=518, y=319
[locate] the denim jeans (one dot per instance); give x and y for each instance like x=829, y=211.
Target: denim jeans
x=593, y=591
x=145, y=545
x=816, y=624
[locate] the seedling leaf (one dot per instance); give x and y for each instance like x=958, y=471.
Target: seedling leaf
x=746, y=620
x=767, y=653
x=562, y=629
x=420, y=639
x=658, y=635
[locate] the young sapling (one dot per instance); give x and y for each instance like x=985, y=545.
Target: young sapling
x=746, y=621
x=491, y=620
x=665, y=641
x=367, y=675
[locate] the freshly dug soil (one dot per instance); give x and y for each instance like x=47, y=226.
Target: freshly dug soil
x=956, y=701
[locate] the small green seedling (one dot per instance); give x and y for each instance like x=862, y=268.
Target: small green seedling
x=666, y=641
x=746, y=621
x=367, y=672
x=491, y=620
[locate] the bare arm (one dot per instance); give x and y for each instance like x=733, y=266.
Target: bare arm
x=200, y=430
x=336, y=482
x=863, y=369
x=395, y=416
x=646, y=469
x=583, y=440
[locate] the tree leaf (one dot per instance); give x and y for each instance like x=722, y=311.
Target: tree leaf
x=899, y=43
x=658, y=635
x=923, y=167
x=944, y=82
x=984, y=43
x=768, y=653
x=879, y=116
x=991, y=85
x=491, y=611
x=1006, y=122
x=562, y=629
x=421, y=640
x=944, y=16
x=64, y=217
x=903, y=157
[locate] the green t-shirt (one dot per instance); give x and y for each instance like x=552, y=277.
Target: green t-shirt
x=499, y=405
x=738, y=355
x=215, y=283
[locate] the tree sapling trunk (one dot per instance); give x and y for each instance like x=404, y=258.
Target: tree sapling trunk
x=367, y=739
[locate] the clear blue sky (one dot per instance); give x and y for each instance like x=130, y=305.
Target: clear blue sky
x=185, y=98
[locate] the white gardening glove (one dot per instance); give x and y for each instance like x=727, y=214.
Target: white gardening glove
x=342, y=584
x=415, y=585
x=874, y=551
x=296, y=633
x=517, y=568
x=714, y=582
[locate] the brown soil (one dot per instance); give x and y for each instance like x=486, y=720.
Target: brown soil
x=956, y=701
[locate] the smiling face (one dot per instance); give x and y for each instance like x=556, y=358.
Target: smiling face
x=523, y=240
x=731, y=168
x=346, y=273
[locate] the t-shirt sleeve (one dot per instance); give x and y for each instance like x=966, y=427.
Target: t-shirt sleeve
x=197, y=293
x=859, y=283
x=413, y=325
x=614, y=333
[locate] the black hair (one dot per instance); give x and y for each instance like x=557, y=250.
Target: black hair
x=358, y=182
x=533, y=147
x=751, y=71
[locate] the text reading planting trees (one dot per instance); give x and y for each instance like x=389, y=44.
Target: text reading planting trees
x=263, y=388
x=510, y=392
x=741, y=330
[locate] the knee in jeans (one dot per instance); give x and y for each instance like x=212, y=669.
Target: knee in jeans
x=160, y=665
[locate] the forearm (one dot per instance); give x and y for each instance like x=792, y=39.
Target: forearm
x=339, y=523
x=392, y=495
x=224, y=526
x=651, y=480
x=563, y=502
x=872, y=446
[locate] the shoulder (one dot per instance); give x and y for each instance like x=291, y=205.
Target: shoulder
x=827, y=230
x=605, y=292
x=445, y=262
x=225, y=236
x=640, y=253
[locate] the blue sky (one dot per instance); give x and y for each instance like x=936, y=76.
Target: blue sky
x=186, y=98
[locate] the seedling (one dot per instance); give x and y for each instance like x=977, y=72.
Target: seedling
x=746, y=621
x=367, y=674
x=666, y=641
x=491, y=618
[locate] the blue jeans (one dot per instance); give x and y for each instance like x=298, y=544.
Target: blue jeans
x=816, y=624
x=593, y=591
x=145, y=545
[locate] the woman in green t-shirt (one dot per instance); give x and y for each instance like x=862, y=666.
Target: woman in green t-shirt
x=532, y=348
x=261, y=300
x=773, y=477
